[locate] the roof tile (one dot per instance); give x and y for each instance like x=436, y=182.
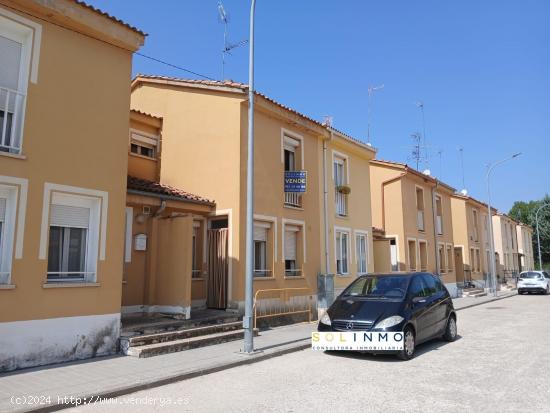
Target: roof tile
x=156, y=188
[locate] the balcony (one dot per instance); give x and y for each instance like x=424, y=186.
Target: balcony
x=293, y=199
x=420, y=220
x=12, y=106
x=341, y=204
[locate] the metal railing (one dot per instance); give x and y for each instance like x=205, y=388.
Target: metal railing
x=195, y=273
x=341, y=203
x=276, y=302
x=67, y=276
x=12, y=105
x=293, y=199
x=262, y=273
x=297, y=272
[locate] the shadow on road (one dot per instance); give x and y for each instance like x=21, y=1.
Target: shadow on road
x=388, y=357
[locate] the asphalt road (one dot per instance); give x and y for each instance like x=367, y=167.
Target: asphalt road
x=500, y=363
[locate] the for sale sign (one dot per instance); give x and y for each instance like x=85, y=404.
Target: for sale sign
x=357, y=340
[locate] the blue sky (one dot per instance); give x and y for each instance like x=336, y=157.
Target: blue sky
x=482, y=69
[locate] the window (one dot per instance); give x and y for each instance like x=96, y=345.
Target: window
x=261, y=231
x=291, y=233
x=412, y=255
x=420, y=208
x=361, y=253
x=340, y=180
x=292, y=162
x=449, y=258
x=393, y=255
x=418, y=287
x=441, y=258
x=475, y=225
x=439, y=215
x=478, y=260
x=15, y=49
x=73, y=238
x=7, y=227
x=143, y=145
x=431, y=286
x=342, y=252
x=423, y=252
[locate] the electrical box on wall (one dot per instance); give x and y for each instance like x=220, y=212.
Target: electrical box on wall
x=140, y=242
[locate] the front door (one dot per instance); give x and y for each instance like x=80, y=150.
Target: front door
x=217, y=265
x=459, y=265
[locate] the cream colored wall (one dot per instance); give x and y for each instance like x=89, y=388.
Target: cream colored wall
x=359, y=205
x=78, y=108
x=382, y=258
x=141, y=166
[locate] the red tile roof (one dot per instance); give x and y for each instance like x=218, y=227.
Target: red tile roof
x=243, y=87
x=145, y=114
x=158, y=189
x=113, y=18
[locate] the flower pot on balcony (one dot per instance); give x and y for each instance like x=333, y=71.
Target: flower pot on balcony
x=343, y=189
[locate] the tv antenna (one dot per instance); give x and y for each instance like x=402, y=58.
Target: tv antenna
x=464, y=191
x=440, y=154
x=223, y=18
x=371, y=91
x=416, y=154
x=420, y=105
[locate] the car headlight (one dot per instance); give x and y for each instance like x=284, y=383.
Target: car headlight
x=325, y=319
x=389, y=322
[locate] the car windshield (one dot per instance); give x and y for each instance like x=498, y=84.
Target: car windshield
x=379, y=287
x=529, y=275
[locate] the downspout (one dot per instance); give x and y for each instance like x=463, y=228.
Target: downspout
x=325, y=202
x=434, y=217
x=161, y=209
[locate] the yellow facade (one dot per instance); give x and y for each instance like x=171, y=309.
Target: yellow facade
x=525, y=247
x=204, y=151
x=471, y=237
x=68, y=155
x=414, y=212
x=506, y=246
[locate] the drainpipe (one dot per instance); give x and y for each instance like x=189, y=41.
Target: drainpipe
x=325, y=202
x=161, y=209
x=434, y=217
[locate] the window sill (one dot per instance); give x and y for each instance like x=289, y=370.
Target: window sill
x=70, y=285
x=264, y=278
x=137, y=155
x=343, y=275
x=198, y=278
x=293, y=207
x=342, y=216
x=294, y=277
x=13, y=155
x=7, y=286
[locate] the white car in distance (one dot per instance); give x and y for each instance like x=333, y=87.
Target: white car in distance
x=534, y=282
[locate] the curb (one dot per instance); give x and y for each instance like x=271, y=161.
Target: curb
x=485, y=302
x=299, y=345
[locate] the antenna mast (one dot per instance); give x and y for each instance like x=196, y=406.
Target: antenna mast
x=371, y=90
x=461, y=151
x=420, y=105
x=223, y=18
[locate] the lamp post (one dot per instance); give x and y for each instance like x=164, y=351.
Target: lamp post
x=538, y=233
x=248, y=325
x=492, y=269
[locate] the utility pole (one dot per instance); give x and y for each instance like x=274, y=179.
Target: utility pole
x=538, y=233
x=492, y=268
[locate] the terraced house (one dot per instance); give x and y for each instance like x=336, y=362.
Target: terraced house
x=412, y=212
x=506, y=246
x=64, y=99
x=296, y=235
x=471, y=237
x=525, y=247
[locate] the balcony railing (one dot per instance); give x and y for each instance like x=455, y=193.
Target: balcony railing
x=293, y=199
x=420, y=220
x=341, y=203
x=12, y=106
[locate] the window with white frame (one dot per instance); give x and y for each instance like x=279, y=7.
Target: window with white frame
x=143, y=145
x=73, y=238
x=261, y=236
x=195, y=250
x=439, y=215
x=292, y=162
x=420, y=208
x=8, y=199
x=441, y=257
x=361, y=253
x=292, y=265
x=342, y=252
x=423, y=254
x=450, y=258
x=15, y=49
x=340, y=181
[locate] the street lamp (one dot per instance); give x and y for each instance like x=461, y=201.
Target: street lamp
x=538, y=233
x=492, y=268
x=248, y=325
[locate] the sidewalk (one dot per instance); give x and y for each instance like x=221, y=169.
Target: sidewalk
x=118, y=375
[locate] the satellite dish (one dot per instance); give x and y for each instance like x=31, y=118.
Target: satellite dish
x=427, y=172
x=464, y=192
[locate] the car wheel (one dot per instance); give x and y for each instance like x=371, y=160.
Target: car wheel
x=409, y=345
x=450, y=329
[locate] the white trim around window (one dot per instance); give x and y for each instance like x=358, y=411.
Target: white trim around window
x=338, y=248
x=20, y=186
x=292, y=139
x=342, y=157
x=423, y=241
x=101, y=196
x=362, y=233
x=273, y=221
x=297, y=223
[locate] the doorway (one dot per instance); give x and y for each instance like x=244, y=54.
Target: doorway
x=216, y=296
x=459, y=265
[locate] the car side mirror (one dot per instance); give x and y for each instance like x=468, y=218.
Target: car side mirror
x=417, y=300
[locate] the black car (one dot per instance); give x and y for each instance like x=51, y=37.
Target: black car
x=418, y=304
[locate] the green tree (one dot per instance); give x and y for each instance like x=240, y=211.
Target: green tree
x=525, y=212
